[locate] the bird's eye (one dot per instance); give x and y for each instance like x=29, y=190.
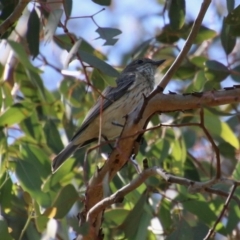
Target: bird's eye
x=140, y=61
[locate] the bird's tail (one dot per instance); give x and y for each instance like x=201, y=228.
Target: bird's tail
x=63, y=155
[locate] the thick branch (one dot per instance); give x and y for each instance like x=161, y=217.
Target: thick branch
x=193, y=187
x=158, y=103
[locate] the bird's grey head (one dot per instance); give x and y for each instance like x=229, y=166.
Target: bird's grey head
x=145, y=66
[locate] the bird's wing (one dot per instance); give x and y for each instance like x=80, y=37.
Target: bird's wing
x=124, y=82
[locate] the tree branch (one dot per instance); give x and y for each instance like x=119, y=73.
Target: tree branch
x=194, y=31
x=14, y=16
x=193, y=187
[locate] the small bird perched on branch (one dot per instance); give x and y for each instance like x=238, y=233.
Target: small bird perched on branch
x=107, y=115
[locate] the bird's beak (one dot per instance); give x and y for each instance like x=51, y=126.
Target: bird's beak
x=159, y=62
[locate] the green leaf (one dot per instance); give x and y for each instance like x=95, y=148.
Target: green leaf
x=221, y=129
x=235, y=73
x=227, y=40
x=73, y=90
x=16, y=113
x=103, y=2
x=52, y=136
x=177, y=13
x=7, y=100
x=31, y=180
x=165, y=214
x=198, y=61
x=38, y=157
x=182, y=231
x=101, y=80
x=98, y=63
x=160, y=150
x=6, y=191
x=215, y=70
x=32, y=127
x=66, y=197
x=233, y=17
x=67, y=5
x=202, y=210
x=236, y=172
x=37, y=81
x=41, y=223
x=108, y=34
x=32, y=170
x=116, y=215
x=228, y=135
x=61, y=177
x=233, y=216
x=168, y=35
x=33, y=30
x=185, y=72
x=190, y=171
x=227, y=150
x=138, y=214
x=22, y=56
x=204, y=34
x=4, y=230
x=198, y=82
x=230, y=5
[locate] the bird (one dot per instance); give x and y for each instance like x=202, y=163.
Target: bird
x=107, y=116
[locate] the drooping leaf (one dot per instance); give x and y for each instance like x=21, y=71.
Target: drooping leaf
x=177, y=13
x=230, y=5
x=133, y=231
x=165, y=214
x=22, y=56
x=33, y=33
x=52, y=136
x=16, y=113
x=228, y=41
x=72, y=52
x=66, y=197
x=103, y=2
x=52, y=24
x=67, y=5
x=32, y=127
x=108, y=34
x=30, y=179
x=98, y=63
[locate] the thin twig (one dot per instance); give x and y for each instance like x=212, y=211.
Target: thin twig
x=210, y=232
x=194, y=31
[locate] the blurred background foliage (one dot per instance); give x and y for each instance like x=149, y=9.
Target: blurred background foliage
x=38, y=118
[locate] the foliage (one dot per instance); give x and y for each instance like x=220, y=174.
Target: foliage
x=35, y=124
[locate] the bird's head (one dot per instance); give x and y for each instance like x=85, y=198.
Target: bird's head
x=145, y=66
